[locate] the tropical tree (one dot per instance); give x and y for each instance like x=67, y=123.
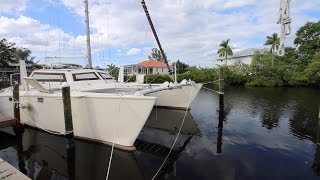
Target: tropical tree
x=181, y=67
x=156, y=55
x=24, y=54
x=7, y=52
x=307, y=42
x=113, y=70
x=225, y=50
x=273, y=41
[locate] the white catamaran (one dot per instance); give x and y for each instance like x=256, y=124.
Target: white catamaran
x=102, y=109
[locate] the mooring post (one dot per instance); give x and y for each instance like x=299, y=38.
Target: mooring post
x=70, y=145
x=221, y=81
x=67, y=110
x=16, y=109
x=318, y=134
x=221, y=110
x=71, y=159
x=220, y=123
x=221, y=87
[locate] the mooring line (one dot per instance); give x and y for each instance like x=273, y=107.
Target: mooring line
x=175, y=141
x=210, y=89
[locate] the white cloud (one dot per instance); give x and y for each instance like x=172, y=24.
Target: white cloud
x=41, y=39
x=189, y=30
x=9, y=6
x=133, y=51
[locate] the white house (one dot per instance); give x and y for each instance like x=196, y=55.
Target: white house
x=245, y=56
x=147, y=67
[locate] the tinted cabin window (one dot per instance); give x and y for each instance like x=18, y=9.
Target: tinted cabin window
x=49, y=77
x=105, y=75
x=85, y=76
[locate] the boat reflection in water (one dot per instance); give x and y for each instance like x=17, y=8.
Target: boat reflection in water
x=155, y=140
x=52, y=157
x=44, y=156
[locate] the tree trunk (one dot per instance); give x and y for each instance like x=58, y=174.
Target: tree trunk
x=226, y=59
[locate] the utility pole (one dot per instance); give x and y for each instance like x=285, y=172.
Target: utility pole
x=88, y=34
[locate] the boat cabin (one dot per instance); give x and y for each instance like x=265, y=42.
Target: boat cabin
x=70, y=75
x=78, y=79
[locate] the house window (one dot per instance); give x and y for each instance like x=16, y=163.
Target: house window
x=162, y=69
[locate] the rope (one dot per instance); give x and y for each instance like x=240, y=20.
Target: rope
x=210, y=89
x=210, y=82
x=16, y=102
x=44, y=129
x=175, y=141
x=114, y=138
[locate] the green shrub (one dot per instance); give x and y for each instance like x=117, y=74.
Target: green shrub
x=157, y=78
x=129, y=78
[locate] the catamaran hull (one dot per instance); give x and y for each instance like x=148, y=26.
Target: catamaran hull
x=95, y=117
x=177, y=98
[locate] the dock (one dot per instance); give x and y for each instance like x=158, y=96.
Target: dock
x=7, y=121
x=8, y=172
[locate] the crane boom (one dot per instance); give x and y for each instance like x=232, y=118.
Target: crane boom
x=284, y=21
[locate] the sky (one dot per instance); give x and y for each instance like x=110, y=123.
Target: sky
x=189, y=30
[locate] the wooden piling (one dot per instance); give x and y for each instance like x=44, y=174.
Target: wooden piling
x=16, y=109
x=71, y=158
x=221, y=81
x=221, y=110
x=67, y=109
x=220, y=123
x=318, y=132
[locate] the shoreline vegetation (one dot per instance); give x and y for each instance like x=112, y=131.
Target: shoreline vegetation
x=298, y=67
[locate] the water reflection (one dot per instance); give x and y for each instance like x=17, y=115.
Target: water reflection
x=158, y=136
x=260, y=133
x=220, y=124
x=316, y=162
x=52, y=157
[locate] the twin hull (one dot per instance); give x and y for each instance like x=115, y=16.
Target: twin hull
x=177, y=98
x=96, y=117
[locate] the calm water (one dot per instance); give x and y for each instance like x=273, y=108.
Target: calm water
x=266, y=133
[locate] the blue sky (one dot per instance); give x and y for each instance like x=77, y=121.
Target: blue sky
x=189, y=30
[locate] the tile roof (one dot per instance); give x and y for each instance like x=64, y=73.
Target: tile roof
x=152, y=63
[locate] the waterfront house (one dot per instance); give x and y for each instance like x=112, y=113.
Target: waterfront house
x=147, y=67
x=245, y=56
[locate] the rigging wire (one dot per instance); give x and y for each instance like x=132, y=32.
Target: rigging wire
x=175, y=140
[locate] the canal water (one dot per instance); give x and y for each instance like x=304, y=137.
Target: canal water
x=262, y=133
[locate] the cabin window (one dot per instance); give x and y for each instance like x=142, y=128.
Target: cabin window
x=105, y=75
x=85, y=76
x=49, y=77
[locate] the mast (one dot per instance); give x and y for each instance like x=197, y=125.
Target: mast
x=88, y=34
x=155, y=34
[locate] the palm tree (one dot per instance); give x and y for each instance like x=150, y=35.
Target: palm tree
x=225, y=50
x=113, y=70
x=274, y=41
x=156, y=55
